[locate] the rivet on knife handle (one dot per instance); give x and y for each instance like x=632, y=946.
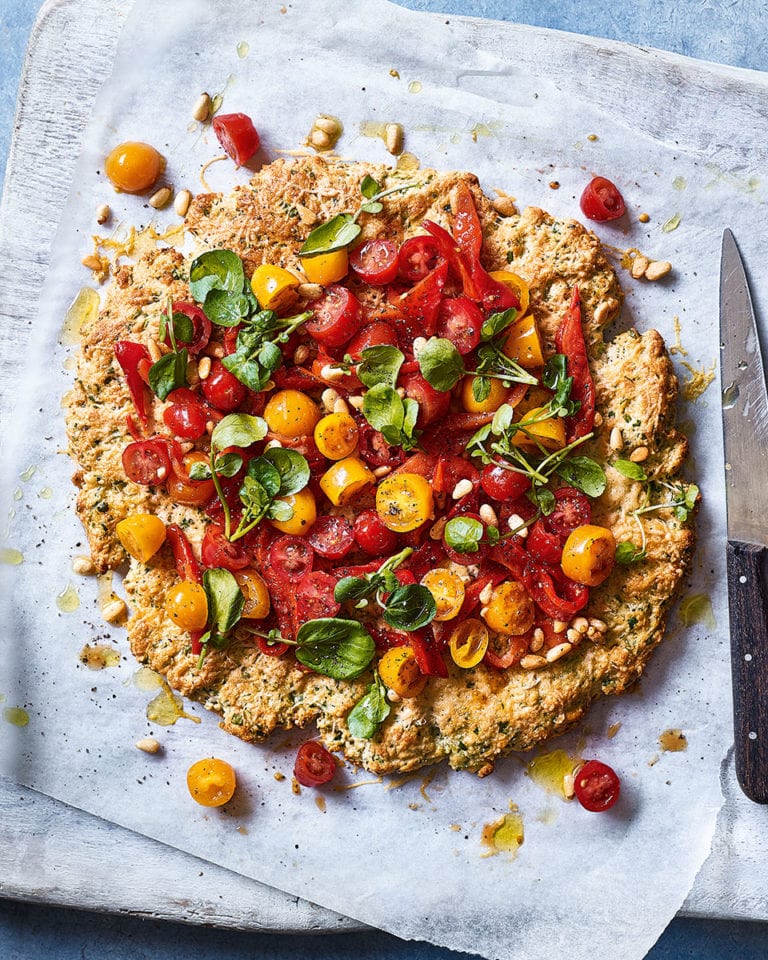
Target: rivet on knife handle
x=749, y=666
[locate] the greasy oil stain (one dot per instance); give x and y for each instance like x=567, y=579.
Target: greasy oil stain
x=68, y=600
x=26, y=475
x=414, y=86
x=697, y=608
x=679, y=183
x=672, y=224
x=98, y=656
x=11, y=556
x=83, y=309
x=243, y=49
x=505, y=835
x=166, y=708
x=16, y=716
x=549, y=771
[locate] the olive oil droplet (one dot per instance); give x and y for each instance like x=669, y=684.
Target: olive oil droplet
x=68, y=600
x=166, y=708
x=27, y=474
x=99, y=656
x=46, y=493
x=550, y=770
x=243, y=49
x=673, y=741
x=16, y=715
x=505, y=835
x=11, y=556
x=697, y=608
x=146, y=679
x=414, y=86
x=82, y=310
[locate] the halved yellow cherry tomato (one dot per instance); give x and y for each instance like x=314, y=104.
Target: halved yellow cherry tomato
x=498, y=394
x=399, y=671
x=404, y=501
x=345, y=479
x=133, y=166
x=187, y=605
x=304, y=513
x=523, y=343
x=255, y=592
x=468, y=643
x=447, y=588
x=517, y=285
x=142, y=535
x=274, y=288
x=550, y=432
x=510, y=610
x=211, y=782
x=326, y=267
x=291, y=413
x=534, y=397
x=336, y=435
x=589, y=555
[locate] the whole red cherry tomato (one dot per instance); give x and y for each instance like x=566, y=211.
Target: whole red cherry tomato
x=460, y=320
x=375, y=262
x=372, y=536
x=291, y=557
x=418, y=257
x=237, y=136
x=314, y=764
x=601, y=200
x=335, y=317
x=501, y=484
x=222, y=389
x=217, y=551
x=596, y=786
x=187, y=415
x=201, y=327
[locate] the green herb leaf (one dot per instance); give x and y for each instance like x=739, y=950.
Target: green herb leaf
x=200, y=471
x=336, y=648
x=627, y=553
x=584, y=474
x=463, y=534
x=255, y=499
x=375, y=206
x=182, y=326
x=265, y=473
x=543, y=498
x=370, y=711
x=255, y=359
x=354, y=588
x=227, y=465
x=335, y=234
x=633, y=471
x=225, y=308
x=481, y=389
x=225, y=599
x=280, y=510
x=555, y=377
x=411, y=414
x=441, y=364
x=238, y=430
x=215, y=270
x=380, y=364
x=497, y=322
x=168, y=373
x=410, y=607
x=383, y=409
x=493, y=534
x=369, y=187
x=502, y=419
x=292, y=467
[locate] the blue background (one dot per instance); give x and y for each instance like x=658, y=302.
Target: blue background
x=727, y=31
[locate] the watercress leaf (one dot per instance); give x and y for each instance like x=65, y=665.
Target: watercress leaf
x=481, y=389
x=411, y=413
x=227, y=465
x=334, y=647
x=555, y=377
x=493, y=534
x=441, y=364
x=248, y=370
x=370, y=711
x=254, y=498
x=388, y=581
x=269, y=356
x=584, y=474
x=369, y=187
x=374, y=207
x=335, y=234
x=691, y=496
x=627, y=553
x=479, y=437
x=543, y=498
x=183, y=328
x=497, y=322
x=410, y=607
x=215, y=270
x=383, y=408
x=225, y=599
x=280, y=510
x=463, y=534
x=633, y=471
x=224, y=308
x=292, y=467
x=502, y=420
x=238, y=430
x=380, y=364
x=392, y=435
x=353, y=588
x=200, y=471
x=266, y=474
x=168, y=373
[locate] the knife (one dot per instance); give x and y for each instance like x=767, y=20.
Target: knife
x=745, y=436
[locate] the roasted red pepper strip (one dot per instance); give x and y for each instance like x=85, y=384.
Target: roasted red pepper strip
x=466, y=223
x=129, y=355
x=569, y=340
x=540, y=585
x=428, y=657
x=187, y=566
x=415, y=311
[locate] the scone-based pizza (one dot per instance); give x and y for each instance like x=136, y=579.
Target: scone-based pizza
x=374, y=466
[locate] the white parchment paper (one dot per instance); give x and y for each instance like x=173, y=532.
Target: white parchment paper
x=408, y=857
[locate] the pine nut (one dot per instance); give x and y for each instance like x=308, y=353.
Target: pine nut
x=307, y=216
x=356, y=402
x=215, y=350
x=272, y=444
x=201, y=111
x=657, y=269
x=560, y=626
x=182, y=202
x=486, y=594
x=310, y=291
x=193, y=377
x=83, y=566
x=320, y=139
x=187, y=446
x=436, y=530
x=537, y=641
x=392, y=696
x=460, y=570
x=340, y=406
x=204, y=368
x=533, y=662
x=92, y=262
x=328, y=398
x=400, y=392
x=559, y=651
x=488, y=515
x=515, y=521
x=639, y=266
x=639, y=455
x=573, y=635
x=569, y=790
x=114, y=611
x=148, y=745
x=393, y=138
x=504, y=206
x=593, y=634
x=209, y=427
x=328, y=124
x=462, y=488
x=483, y=612
x=418, y=345
x=103, y=213
x=382, y=472
x=332, y=373
x=598, y=419
x=601, y=312
x=154, y=350
x=616, y=439
x=162, y=473
x=599, y=625
x=580, y=624
x=301, y=354
x=160, y=198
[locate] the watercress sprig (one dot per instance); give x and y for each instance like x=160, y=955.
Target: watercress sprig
x=370, y=711
x=225, y=607
x=442, y=366
x=170, y=371
x=392, y=415
x=335, y=647
x=257, y=354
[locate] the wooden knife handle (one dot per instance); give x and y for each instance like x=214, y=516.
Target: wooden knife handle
x=749, y=667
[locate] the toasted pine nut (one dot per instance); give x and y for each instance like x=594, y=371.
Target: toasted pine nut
x=537, y=641
x=462, y=488
x=393, y=138
x=486, y=594
x=310, y=291
x=160, y=198
x=332, y=373
x=83, y=566
x=639, y=266
x=560, y=626
x=488, y=515
x=209, y=427
x=103, y=213
x=616, y=439
x=657, y=269
x=186, y=446
x=598, y=419
x=392, y=696
x=148, y=745
x=602, y=310
x=515, y=521
x=271, y=444
x=182, y=202
x=505, y=206
x=580, y=624
x=215, y=350
x=301, y=354
x=202, y=108
x=400, y=392
x=599, y=625
x=193, y=377
x=154, y=349
x=328, y=124
x=328, y=397
x=559, y=651
x=573, y=635
x=114, y=610
x=162, y=473
x=340, y=406
x=382, y=472
x=320, y=139
x=593, y=634
x=533, y=662
x=436, y=530
x=639, y=454
x=204, y=368
x=569, y=790
x=356, y=402
x=418, y=345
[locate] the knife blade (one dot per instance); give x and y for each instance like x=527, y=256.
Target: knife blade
x=745, y=439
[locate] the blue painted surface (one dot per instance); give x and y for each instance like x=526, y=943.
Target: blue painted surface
x=733, y=32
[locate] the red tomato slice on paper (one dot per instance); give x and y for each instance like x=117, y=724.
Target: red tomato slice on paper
x=601, y=200
x=314, y=765
x=597, y=786
x=237, y=135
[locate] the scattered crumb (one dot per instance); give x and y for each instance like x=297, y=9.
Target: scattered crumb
x=644, y=218
x=394, y=73
x=148, y=745
x=554, y=184
x=673, y=741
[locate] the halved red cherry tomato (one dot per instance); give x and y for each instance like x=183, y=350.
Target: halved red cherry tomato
x=181, y=489
x=291, y=557
x=147, y=462
x=375, y=262
x=372, y=536
x=187, y=566
x=601, y=200
x=201, y=327
x=596, y=786
x=450, y=469
x=272, y=648
x=419, y=305
x=374, y=449
x=132, y=357
x=314, y=765
x=374, y=335
x=460, y=320
x=417, y=258
x=237, y=136
x=222, y=389
x=569, y=340
x=433, y=404
x=501, y=484
x=544, y=545
x=335, y=316
x=315, y=596
x=505, y=650
x=331, y=537
x=572, y=509
x=217, y=551
x=187, y=415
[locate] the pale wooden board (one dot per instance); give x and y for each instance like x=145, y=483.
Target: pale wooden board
x=52, y=853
